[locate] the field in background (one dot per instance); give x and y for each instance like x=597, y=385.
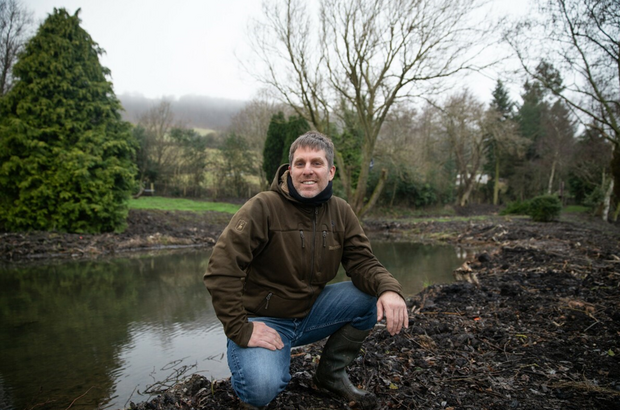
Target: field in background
x=181, y=204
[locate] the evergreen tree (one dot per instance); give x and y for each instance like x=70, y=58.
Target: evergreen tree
x=531, y=114
x=296, y=126
x=65, y=153
x=528, y=179
x=274, y=145
x=280, y=136
x=501, y=100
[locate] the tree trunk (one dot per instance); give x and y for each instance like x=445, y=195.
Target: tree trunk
x=345, y=179
x=550, y=186
x=607, y=200
x=467, y=189
x=496, y=182
x=375, y=194
x=360, y=189
x=394, y=193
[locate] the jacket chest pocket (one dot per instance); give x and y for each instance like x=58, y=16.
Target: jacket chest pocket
x=328, y=256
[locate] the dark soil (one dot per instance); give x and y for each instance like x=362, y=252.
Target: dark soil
x=535, y=323
x=146, y=230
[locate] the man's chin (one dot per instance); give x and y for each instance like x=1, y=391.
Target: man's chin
x=308, y=195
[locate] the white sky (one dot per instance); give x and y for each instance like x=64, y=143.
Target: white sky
x=170, y=48
x=167, y=47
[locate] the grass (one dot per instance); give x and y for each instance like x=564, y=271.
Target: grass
x=181, y=204
x=576, y=209
x=204, y=131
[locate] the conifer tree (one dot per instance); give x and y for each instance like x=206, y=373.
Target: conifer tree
x=295, y=127
x=65, y=153
x=280, y=135
x=274, y=145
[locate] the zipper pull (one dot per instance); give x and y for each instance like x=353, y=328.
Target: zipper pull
x=324, y=237
x=301, y=233
x=267, y=304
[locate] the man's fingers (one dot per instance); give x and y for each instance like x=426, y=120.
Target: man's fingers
x=265, y=336
x=379, y=311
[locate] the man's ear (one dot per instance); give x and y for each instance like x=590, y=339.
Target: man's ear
x=332, y=172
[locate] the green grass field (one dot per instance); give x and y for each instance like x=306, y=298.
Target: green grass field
x=181, y=204
x=575, y=209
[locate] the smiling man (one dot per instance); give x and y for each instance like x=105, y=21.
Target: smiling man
x=268, y=278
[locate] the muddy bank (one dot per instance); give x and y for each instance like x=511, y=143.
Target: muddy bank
x=146, y=230
x=536, y=326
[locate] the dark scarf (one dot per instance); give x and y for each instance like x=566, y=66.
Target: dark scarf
x=319, y=199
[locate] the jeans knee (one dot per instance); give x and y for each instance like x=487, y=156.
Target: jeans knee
x=258, y=374
x=367, y=321
x=259, y=388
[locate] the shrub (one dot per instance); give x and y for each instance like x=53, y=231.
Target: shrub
x=545, y=208
x=516, y=208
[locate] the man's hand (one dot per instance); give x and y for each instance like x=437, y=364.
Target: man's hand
x=265, y=336
x=393, y=307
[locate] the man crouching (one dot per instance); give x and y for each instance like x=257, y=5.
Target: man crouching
x=268, y=278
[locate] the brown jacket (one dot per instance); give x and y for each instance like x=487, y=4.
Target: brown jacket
x=276, y=255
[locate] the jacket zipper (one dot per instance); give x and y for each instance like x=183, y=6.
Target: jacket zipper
x=268, y=297
x=316, y=212
x=301, y=233
x=324, y=238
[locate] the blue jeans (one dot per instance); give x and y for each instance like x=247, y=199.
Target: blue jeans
x=259, y=374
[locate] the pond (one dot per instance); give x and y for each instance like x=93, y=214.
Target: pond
x=97, y=334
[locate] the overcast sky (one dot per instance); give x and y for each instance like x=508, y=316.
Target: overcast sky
x=166, y=48
x=170, y=48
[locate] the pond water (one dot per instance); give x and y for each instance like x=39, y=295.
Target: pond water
x=96, y=334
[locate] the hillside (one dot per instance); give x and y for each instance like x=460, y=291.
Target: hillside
x=194, y=110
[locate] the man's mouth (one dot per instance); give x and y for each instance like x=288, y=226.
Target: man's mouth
x=308, y=183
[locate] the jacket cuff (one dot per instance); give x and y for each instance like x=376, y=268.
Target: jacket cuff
x=388, y=288
x=243, y=337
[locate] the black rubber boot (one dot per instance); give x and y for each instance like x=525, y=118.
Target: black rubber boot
x=340, y=350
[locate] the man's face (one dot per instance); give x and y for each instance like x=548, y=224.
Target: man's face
x=310, y=171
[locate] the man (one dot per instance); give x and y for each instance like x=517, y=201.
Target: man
x=268, y=274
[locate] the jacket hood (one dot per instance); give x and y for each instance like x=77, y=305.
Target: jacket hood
x=279, y=183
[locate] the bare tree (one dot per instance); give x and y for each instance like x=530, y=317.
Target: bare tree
x=157, y=150
x=464, y=127
x=504, y=140
x=251, y=124
x=15, y=24
x=582, y=39
x=557, y=143
x=369, y=53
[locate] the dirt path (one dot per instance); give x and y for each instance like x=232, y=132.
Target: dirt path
x=536, y=327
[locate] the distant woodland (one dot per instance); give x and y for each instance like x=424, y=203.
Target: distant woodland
x=194, y=111
x=385, y=85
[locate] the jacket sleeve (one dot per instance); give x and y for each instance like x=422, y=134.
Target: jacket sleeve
x=226, y=271
x=360, y=263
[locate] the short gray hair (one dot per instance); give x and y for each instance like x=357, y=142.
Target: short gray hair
x=316, y=141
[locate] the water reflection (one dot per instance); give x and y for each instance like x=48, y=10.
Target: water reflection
x=106, y=331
